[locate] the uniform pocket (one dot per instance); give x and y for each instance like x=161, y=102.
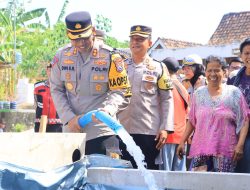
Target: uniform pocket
x=98, y=83
x=148, y=87
x=69, y=79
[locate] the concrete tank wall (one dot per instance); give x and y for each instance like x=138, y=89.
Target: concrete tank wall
x=173, y=180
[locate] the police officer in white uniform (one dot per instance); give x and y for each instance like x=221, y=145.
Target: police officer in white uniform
x=86, y=76
x=149, y=116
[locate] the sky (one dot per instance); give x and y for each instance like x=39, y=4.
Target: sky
x=186, y=20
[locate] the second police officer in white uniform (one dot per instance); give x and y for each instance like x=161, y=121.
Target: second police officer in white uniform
x=149, y=116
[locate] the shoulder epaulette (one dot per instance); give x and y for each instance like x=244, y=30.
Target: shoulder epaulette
x=157, y=60
x=124, y=53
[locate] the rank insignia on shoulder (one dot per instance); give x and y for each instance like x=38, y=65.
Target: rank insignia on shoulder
x=75, y=51
x=94, y=52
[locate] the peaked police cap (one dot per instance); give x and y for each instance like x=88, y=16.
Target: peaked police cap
x=141, y=30
x=79, y=25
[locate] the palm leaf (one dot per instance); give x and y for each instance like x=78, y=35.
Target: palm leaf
x=36, y=13
x=47, y=19
x=4, y=19
x=2, y=59
x=62, y=13
x=36, y=26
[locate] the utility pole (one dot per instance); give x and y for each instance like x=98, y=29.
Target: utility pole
x=13, y=70
x=14, y=12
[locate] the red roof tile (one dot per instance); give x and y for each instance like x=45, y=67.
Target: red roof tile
x=233, y=27
x=174, y=44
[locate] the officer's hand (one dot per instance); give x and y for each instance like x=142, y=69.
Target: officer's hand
x=94, y=119
x=161, y=137
x=73, y=124
x=180, y=150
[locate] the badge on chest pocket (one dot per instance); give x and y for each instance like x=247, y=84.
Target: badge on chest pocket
x=149, y=84
x=98, y=83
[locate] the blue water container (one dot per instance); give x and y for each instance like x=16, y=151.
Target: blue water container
x=6, y=105
x=13, y=105
x=1, y=105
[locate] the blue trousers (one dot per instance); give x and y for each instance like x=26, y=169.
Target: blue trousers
x=243, y=165
x=171, y=162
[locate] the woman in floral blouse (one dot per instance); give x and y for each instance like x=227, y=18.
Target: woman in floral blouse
x=219, y=118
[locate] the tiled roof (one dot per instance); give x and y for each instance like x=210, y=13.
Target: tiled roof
x=233, y=27
x=174, y=44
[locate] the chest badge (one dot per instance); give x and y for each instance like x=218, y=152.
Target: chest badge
x=68, y=76
x=68, y=61
x=69, y=86
x=98, y=87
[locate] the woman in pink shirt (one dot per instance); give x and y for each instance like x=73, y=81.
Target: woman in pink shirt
x=218, y=117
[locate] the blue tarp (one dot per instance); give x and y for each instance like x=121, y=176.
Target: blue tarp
x=14, y=177
x=70, y=177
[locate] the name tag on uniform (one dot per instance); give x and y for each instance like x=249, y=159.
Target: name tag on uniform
x=149, y=78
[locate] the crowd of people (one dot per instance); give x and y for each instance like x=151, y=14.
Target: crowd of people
x=187, y=115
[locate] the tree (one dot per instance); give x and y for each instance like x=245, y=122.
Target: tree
x=13, y=21
x=39, y=49
x=103, y=23
x=113, y=42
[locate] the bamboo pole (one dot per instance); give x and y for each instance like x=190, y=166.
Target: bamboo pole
x=43, y=124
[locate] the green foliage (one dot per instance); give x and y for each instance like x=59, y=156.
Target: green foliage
x=12, y=25
x=59, y=19
x=23, y=17
x=103, y=23
x=39, y=48
x=111, y=41
x=2, y=91
x=38, y=43
x=18, y=127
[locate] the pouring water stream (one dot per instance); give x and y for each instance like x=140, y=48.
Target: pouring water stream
x=132, y=148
